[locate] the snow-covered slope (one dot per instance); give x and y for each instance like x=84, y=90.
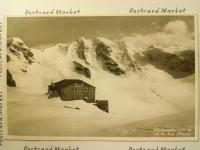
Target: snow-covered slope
x=173, y=125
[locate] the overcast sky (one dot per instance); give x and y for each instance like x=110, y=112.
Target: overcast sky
x=35, y=31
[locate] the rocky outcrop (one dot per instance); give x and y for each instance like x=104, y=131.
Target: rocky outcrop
x=129, y=59
x=103, y=54
x=10, y=81
x=17, y=46
x=8, y=58
x=82, y=70
x=177, y=65
x=83, y=50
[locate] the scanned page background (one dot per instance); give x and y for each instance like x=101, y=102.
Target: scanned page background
x=94, y=7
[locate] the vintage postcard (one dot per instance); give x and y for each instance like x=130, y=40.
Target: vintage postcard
x=120, y=78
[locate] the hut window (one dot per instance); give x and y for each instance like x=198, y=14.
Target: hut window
x=86, y=88
x=76, y=89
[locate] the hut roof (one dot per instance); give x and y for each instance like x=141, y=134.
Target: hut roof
x=67, y=82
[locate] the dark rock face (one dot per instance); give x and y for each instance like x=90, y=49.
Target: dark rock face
x=188, y=55
x=103, y=54
x=8, y=58
x=82, y=70
x=177, y=65
x=9, y=42
x=10, y=81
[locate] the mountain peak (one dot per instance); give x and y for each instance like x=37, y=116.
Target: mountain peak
x=84, y=43
x=104, y=41
x=151, y=47
x=16, y=41
x=19, y=49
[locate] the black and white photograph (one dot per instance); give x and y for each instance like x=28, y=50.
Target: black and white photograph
x=101, y=76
